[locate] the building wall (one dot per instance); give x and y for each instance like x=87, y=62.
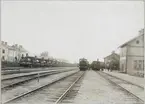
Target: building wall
x=134, y=42
x=132, y=57
x=8, y=53
x=135, y=66
x=123, y=52
x=106, y=61
x=135, y=57
x=111, y=57
x=11, y=54
x=4, y=51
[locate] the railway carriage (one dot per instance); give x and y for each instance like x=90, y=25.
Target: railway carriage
x=95, y=65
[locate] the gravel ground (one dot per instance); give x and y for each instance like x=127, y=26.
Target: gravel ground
x=32, y=85
x=28, y=73
x=139, y=92
x=97, y=90
x=133, y=79
x=28, y=70
x=73, y=92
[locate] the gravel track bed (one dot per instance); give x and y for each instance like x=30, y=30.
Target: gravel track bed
x=73, y=92
x=32, y=85
x=137, y=91
x=95, y=89
x=49, y=94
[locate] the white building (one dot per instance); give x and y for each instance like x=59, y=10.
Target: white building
x=15, y=52
x=4, y=51
x=132, y=55
x=12, y=53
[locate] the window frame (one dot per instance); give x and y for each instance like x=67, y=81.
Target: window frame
x=137, y=41
x=3, y=51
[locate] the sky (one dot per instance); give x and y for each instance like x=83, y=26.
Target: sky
x=71, y=29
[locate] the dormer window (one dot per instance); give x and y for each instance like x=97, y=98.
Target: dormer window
x=137, y=42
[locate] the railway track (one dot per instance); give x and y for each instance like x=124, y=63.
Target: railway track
x=33, y=86
x=70, y=96
x=125, y=81
x=11, y=68
x=133, y=90
x=14, y=81
x=63, y=96
x=28, y=70
x=53, y=92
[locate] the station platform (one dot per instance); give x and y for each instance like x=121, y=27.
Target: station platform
x=95, y=89
x=132, y=79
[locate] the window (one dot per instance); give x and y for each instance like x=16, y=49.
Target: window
x=135, y=64
x=122, y=66
x=3, y=58
x=140, y=64
x=137, y=42
x=3, y=51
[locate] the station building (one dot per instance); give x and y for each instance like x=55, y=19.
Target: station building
x=132, y=55
x=109, y=58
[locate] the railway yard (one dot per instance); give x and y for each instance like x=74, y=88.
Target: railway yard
x=67, y=85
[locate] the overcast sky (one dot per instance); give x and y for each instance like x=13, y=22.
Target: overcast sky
x=71, y=30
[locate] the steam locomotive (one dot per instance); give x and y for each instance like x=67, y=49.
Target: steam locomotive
x=34, y=62
x=83, y=64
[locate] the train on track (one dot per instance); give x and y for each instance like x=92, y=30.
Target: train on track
x=95, y=65
x=83, y=64
x=30, y=61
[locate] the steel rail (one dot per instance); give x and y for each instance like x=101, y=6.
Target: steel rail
x=33, y=73
x=29, y=79
x=125, y=81
x=26, y=75
x=120, y=86
x=36, y=89
x=68, y=89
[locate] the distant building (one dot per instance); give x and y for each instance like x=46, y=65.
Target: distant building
x=112, y=57
x=12, y=53
x=132, y=55
x=4, y=51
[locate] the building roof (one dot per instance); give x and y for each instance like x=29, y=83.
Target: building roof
x=111, y=55
x=141, y=34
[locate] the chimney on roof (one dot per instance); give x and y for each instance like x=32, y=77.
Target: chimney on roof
x=113, y=52
x=6, y=43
